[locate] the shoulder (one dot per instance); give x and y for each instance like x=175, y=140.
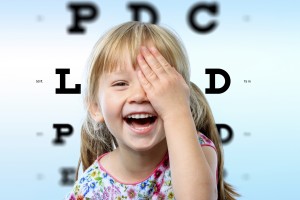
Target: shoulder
x=210, y=152
x=86, y=184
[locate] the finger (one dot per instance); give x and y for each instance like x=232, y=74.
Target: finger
x=152, y=61
x=163, y=62
x=146, y=69
x=144, y=82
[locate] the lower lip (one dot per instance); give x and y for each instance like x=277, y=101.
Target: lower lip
x=143, y=131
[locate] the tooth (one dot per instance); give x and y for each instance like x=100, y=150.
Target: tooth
x=142, y=116
x=139, y=116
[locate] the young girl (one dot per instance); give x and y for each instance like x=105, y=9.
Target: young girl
x=149, y=132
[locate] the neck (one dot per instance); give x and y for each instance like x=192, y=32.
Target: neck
x=137, y=166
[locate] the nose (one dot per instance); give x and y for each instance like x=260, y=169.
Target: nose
x=138, y=94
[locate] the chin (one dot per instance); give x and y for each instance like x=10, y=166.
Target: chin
x=142, y=145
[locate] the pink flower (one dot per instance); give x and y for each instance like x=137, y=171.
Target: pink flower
x=72, y=197
x=131, y=193
x=157, y=174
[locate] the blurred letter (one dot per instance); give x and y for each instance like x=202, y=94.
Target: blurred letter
x=78, y=16
x=60, y=133
x=137, y=7
x=229, y=135
x=212, y=8
x=66, y=172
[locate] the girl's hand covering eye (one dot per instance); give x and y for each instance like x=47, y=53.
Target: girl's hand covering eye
x=166, y=89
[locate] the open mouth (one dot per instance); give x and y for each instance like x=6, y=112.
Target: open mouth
x=140, y=121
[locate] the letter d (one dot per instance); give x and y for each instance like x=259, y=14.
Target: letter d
x=212, y=82
x=137, y=7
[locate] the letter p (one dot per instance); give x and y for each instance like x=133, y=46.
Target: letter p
x=60, y=133
x=81, y=12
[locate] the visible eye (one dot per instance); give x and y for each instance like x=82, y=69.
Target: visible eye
x=119, y=83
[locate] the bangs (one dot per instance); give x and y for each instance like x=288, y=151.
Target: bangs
x=126, y=41
x=116, y=56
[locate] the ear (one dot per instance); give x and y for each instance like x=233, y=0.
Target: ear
x=95, y=112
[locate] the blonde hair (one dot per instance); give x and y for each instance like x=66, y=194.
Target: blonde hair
x=96, y=138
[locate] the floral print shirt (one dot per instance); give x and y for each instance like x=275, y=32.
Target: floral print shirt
x=97, y=184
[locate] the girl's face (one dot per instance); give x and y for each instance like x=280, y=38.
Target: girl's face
x=126, y=110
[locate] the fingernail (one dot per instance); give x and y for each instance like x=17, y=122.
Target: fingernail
x=143, y=48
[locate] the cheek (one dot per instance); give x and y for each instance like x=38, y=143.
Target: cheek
x=111, y=106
